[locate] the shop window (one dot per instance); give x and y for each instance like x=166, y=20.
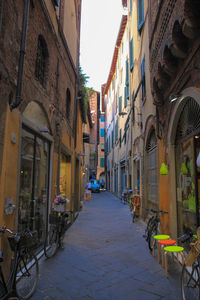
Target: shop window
x=41, y=60
x=33, y=192
x=65, y=176
x=187, y=173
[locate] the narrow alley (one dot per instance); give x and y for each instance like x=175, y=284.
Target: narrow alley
x=105, y=257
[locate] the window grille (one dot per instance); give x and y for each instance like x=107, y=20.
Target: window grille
x=41, y=60
x=68, y=103
x=189, y=121
x=152, y=168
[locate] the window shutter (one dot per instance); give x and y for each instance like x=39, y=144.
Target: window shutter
x=143, y=78
x=131, y=54
x=125, y=96
x=127, y=73
x=131, y=6
x=133, y=106
x=120, y=104
x=116, y=130
x=140, y=14
x=112, y=138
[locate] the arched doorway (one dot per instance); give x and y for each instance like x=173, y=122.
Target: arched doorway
x=187, y=148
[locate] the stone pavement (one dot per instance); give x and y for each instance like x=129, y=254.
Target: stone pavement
x=105, y=257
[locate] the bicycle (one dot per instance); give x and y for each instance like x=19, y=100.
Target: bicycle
x=23, y=276
x=134, y=204
x=59, y=223
x=126, y=194
x=153, y=226
x=190, y=275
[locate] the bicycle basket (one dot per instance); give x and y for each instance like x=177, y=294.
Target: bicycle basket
x=29, y=239
x=12, y=242
x=54, y=219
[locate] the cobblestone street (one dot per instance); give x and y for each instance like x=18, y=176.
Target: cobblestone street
x=105, y=257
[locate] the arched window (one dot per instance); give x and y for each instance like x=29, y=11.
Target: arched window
x=68, y=103
x=41, y=60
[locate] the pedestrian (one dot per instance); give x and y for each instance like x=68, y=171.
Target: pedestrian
x=89, y=185
x=102, y=184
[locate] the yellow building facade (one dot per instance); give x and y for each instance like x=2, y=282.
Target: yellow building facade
x=41, y=113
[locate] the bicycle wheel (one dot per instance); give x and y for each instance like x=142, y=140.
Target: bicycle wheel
x=51, y=242
x=147, y=229
x=190, y=281
x=27, y=275
x=153, y=231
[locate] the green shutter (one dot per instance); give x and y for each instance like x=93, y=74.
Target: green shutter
x=131, y=54
x=116, y=130
x=125, y=96
x=102, y=162
x=120, y=104
x=140, y=13
x=127, y=73
x=143, y=79
x=112, y=138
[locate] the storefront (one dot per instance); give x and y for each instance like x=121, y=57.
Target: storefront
x=34, y=177
x=187, y=148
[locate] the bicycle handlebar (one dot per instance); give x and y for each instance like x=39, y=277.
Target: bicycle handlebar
x=186, y=237
x=4, y=229
x=156, y=211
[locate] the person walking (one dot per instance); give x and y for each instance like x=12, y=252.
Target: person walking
x=102, y=184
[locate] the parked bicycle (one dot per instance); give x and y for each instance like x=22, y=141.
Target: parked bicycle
x=153, y=226
x=23, y=277
x=126, y=194
x=190, y=276
x=59, y=223
x=134, y=204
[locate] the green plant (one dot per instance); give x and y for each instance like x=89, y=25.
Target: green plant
x=85, y=93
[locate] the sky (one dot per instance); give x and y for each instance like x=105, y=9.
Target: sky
x=100, y=21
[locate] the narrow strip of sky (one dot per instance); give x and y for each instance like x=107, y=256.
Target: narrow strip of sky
x=100, y=21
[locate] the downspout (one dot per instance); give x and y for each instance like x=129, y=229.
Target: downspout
x=21, y=56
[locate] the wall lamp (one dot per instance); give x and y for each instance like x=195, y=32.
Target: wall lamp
x=173, y=97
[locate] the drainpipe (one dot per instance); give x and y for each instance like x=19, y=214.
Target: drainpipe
x=21, y=56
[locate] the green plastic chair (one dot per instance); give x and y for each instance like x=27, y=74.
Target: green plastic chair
x=174, y=250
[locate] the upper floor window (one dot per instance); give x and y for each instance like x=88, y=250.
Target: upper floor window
x=41, y=60
x=102, y=119
x=143, y=79
x=102, y=132
x=140, y=13
x=102, y=162
x=55, y=2
x=68, y=103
